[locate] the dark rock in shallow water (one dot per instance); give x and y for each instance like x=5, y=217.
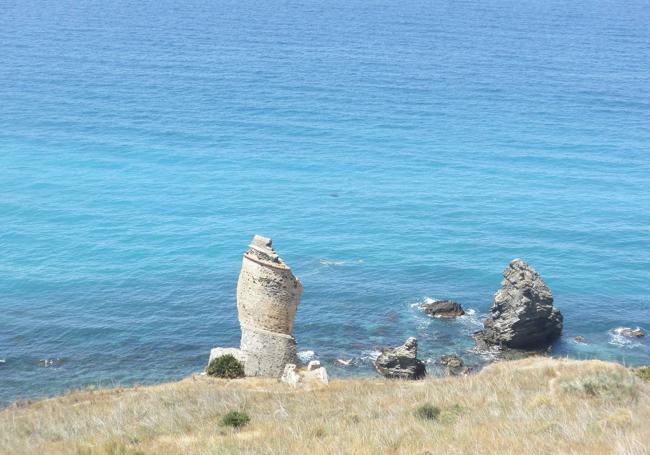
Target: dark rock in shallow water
x=445, y=309
x=401, y=362
x=522, y=315
x=453, y=365
x=51, y=362
x=504, y=353
x=451, y=361
x=580, y=339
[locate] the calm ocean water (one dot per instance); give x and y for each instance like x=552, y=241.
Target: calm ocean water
x=395, y=151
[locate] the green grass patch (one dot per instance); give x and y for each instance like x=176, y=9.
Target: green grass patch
x=235, y=419
x=616, y=385
x=643, y=373
x=427, y=412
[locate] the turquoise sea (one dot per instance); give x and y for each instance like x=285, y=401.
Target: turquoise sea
x=394, y=151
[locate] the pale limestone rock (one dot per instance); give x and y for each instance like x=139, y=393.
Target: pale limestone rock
x=268, y=295
x=319, y=374
x=290, y=375
x=302, y=377
x=313, y=365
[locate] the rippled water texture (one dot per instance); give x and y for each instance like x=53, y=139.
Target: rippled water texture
x=395, y=151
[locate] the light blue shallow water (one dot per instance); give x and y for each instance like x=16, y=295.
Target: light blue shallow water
x=393, y=150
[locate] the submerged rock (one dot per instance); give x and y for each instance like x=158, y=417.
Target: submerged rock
x=47, y=363
x=522, y=314
x=401, y=362
x=445, y=309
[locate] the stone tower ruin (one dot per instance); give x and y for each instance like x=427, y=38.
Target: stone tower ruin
x=268, y=295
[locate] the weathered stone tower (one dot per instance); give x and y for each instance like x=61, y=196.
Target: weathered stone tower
x=268, y=295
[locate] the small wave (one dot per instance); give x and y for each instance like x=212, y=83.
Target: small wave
x=424, y=301
x=334, y=262
x=616, y=338
x=306, y=356
x=489, y=354
x=345, y=362
x=3, y=361
x=370, y=355
x=471, y=319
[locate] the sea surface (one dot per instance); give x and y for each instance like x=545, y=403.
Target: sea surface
x=395, y=151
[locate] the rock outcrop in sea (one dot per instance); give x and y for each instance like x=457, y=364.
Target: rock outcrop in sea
x=631, y=333
x=443, y=309
x=268, y=295
x=522, y=314
x=401, y=362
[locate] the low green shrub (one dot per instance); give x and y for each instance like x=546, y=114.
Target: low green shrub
x=427, y=412
x=616, y=385
x=643, y=373
x=235, y=419
x=226, y=366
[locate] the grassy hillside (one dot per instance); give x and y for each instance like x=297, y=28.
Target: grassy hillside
x=531, y=406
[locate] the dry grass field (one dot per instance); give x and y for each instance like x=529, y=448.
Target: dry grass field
x=530, y=406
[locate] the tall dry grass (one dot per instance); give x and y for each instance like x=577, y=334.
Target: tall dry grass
x=531, y=406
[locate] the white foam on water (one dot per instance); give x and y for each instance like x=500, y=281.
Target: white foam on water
x=424, y=301
x=370, y=355
x=306, y=356
x=471, y=319
x=345, y=362
x=488, y=354
x=422, y=321
x=616, y=338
